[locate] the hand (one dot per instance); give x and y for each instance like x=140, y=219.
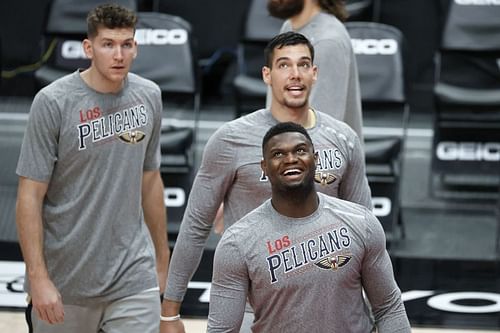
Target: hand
x=46, y=301
x=172, y=326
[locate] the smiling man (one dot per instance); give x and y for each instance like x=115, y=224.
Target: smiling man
x=230, y=170
x=302, y=258
x=90, y=197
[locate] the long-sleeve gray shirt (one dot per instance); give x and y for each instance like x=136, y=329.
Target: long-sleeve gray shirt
x=336, y=91
x=306, y=274
x=230, y=172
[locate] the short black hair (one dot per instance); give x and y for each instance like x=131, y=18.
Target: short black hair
x=284, y=127
x=111, y=16
x=285, y=39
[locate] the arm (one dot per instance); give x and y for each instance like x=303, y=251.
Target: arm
x=211, y=183
x=354, y=186
x=230, y=282
x=155, y=217
x=378, y=281
x=45, y=297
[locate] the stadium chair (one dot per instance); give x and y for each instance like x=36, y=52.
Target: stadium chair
x=65, y=29
x=166, y=56
x=250, y=91
x=466, y=144
x=379, y=55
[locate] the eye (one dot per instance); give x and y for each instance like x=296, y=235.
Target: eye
x=277, y=154
x=301, y=151
x=128, y=45
x=305, y=65
x=108, y=44
x=283, y=65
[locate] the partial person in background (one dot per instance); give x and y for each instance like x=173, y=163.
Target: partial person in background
x=302, y=258
x=336, y=91
x=90, y=210
x=230, y=170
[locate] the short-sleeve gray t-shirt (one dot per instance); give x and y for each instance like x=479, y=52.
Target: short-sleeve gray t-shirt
x=92, y=149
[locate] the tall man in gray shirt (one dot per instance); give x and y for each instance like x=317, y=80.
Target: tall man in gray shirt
x=336, y=91
x=230, y=169
x=90, y=197
x=302, y=258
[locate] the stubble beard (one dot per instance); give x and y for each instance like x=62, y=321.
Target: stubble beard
x=284, y=9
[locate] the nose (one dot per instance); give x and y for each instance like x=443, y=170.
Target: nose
x=118, y=54
x=294, y=71
x=291, y=157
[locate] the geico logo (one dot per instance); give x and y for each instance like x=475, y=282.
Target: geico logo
x=374, y=46
x=478, y=2
x=381, y=206
x=161, y=36
x=174, y=196
x=72, y=49
x=468, y=151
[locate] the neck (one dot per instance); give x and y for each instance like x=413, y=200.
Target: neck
x=95, y=81
x=303, y=116
x=295, y=205
x=311, y=8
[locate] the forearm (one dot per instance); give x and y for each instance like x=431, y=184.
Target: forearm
x=156, y=220
x=30, y=228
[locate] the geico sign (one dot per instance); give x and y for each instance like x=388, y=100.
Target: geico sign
x=381, y=206
x=72, y=49
x=161, y=36
x=478, y=2
x=468, y=151
x=374, y=46
x=174, y=196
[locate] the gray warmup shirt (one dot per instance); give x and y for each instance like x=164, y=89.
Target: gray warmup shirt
x=336, y=91
x=306, y=274
x=92, y=149
x=230, y=172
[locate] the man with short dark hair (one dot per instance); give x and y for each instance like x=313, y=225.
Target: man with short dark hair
x=336, y=91
x=302, y=258
x=90, y=209
x=230, y=169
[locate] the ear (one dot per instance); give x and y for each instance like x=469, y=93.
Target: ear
x=266, y=75
x=316, y=156
x=315, y=73
x=263, y=166
x=87, y=48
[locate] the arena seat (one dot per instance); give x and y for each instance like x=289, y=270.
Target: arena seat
x=379, y=55
x=249, y=89
x=466, y=144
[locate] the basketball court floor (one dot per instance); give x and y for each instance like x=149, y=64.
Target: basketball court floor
x=447, y=264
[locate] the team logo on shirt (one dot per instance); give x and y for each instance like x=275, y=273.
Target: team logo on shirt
x=132, y=137
x=325, y=248
x=334, y=262
x=324, y=178
x=96, y=126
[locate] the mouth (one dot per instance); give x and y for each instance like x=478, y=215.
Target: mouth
x=295, y=89
x=292, y=173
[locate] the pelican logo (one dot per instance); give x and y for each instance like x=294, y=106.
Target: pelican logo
x=324, y=178
x=132, y=137
x=334, y=262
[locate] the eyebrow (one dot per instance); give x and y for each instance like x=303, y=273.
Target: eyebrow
x=288, y=58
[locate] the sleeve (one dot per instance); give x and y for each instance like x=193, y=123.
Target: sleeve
x=153, y=153
x=379, y=282
x=210, y=185
x=353, y=114
x=39, y=150
x=230, y=282
x=354, y=186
